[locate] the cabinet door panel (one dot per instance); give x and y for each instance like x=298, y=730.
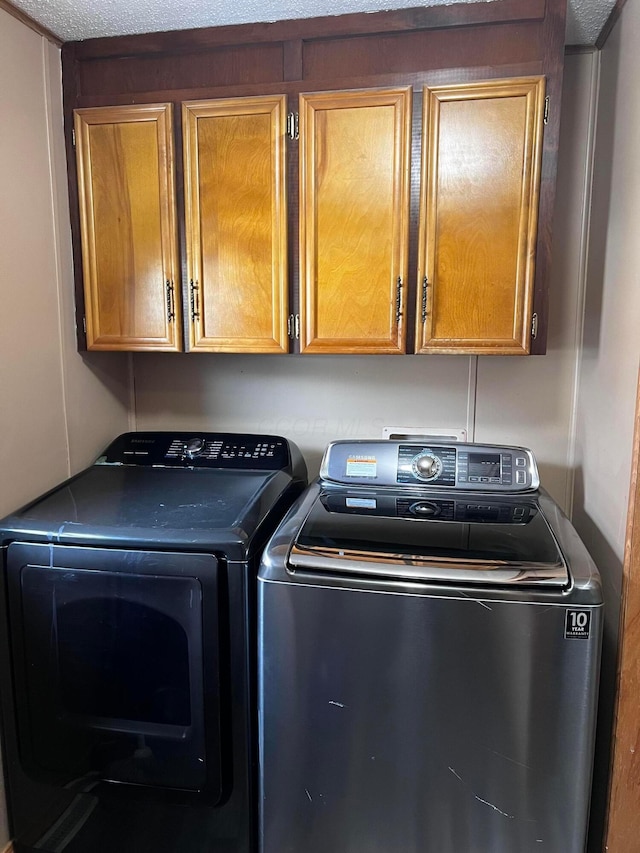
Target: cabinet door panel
x=354, y=191
x=236, y=220
x=479, y=204
x=127, y=217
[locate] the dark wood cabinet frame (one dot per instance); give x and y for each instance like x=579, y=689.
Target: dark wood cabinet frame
x=426, y=45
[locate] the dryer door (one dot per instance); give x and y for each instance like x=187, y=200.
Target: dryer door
x=113, y=680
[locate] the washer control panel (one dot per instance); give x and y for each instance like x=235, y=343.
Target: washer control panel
x=472, y=467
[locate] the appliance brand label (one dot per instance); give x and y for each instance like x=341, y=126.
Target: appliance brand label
x=362, y=466
x=577, y=625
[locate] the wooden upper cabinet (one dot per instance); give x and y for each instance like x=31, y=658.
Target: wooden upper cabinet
x=481, y=151
x=354, y=220
x=236, y=223
x=126, y=191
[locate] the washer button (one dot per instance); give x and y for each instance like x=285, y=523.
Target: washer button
x=521, y=462
x=521, y=478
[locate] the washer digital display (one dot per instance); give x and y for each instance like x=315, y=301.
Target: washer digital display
x=484, y=465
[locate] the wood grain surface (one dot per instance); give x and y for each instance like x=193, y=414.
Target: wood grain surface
x=236, y=223
x=481, y=158
x=623, y=830
x=354, y=209
x=129, y=238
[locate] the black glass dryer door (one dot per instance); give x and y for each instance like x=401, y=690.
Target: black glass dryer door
x=109, y=668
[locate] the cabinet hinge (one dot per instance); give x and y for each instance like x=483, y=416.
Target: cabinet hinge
x=293, y=327
x=293, y=125
x=546, y=110
x=84, y=325
x=534, y=326
x=73, y=136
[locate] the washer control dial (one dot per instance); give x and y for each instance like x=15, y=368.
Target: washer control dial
x=426, y=466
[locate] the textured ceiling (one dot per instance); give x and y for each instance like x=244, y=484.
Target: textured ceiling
x=73, y=20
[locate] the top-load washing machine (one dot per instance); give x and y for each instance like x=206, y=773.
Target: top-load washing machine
x=127, y=638
x=429, y=645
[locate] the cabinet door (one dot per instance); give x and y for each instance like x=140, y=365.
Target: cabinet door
x=354, y=209
x=481, y=150
x=236, y=223
x=126, y=190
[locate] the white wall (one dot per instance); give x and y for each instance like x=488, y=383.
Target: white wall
x=57, y=409
x=611, y=350
x=533, y=401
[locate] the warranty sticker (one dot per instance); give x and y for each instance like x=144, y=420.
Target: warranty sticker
x=577, y=625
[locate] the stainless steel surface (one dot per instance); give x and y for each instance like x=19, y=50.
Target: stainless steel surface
x=419, y=568
x=425, y=716
x=422, y=724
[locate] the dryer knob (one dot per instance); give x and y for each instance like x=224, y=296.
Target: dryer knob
x=194, y=447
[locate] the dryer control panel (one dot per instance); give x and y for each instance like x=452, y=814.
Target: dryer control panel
x=472, y=467
x=199, y=450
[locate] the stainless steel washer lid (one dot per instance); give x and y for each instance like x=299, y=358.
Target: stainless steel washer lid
x=460, y=538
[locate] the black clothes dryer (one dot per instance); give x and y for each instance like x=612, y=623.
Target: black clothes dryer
x=126, y=645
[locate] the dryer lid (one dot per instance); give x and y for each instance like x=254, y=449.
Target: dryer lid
x=140, y=506
x=459, y=539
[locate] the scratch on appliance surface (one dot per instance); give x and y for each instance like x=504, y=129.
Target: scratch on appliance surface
x=337, y=704
x=495, y=808
x=476, y=600
x=479, y=799
x=308, y=795
x=60, y=529
x=543, y=611
x=512, y=760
